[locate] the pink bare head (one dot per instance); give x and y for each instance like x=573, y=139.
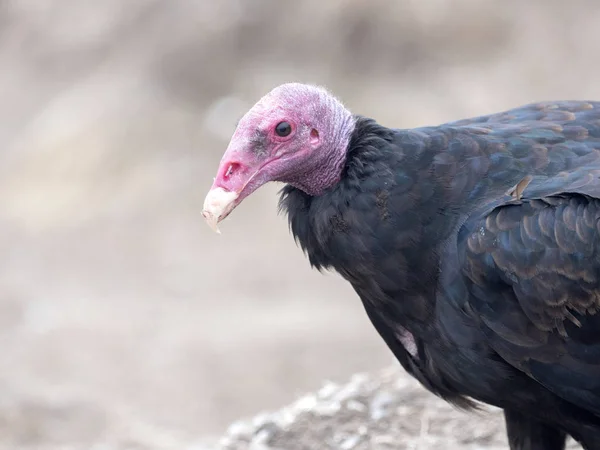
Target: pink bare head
x=296, y=134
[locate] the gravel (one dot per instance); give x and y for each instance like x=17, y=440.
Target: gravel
x=381, y=411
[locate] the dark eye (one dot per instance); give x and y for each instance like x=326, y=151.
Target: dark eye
x=283, y=129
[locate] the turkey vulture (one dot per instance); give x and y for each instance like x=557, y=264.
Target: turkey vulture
x=474, y=245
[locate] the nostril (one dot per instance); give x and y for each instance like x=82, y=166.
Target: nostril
x=233, y=167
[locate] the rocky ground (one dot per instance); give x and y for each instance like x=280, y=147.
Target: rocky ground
x=124, y=322
x=378, y=411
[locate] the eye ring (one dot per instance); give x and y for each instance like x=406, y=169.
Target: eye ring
x=283, y=129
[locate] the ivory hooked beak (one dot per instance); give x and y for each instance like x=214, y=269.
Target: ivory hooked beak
x=217, y=206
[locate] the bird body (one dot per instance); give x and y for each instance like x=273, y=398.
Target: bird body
x=474, y=247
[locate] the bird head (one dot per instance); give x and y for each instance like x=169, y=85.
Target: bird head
x=296, y=134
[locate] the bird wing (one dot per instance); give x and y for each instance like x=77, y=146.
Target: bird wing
x=532, y=266
x=529, y=257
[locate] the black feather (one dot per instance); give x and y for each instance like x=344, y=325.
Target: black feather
x=481, y=239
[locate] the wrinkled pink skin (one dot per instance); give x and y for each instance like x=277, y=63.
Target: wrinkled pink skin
x=310, y=158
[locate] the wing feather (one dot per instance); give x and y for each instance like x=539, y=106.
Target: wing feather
x=534, y=274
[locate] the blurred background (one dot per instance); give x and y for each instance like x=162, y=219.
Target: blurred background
x=123, y=318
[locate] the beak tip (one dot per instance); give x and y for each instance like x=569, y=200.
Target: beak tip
x=212, y=221
x=217, y=205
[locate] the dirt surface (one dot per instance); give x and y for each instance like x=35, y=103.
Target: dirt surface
x=124, y=322
x=378, y=411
